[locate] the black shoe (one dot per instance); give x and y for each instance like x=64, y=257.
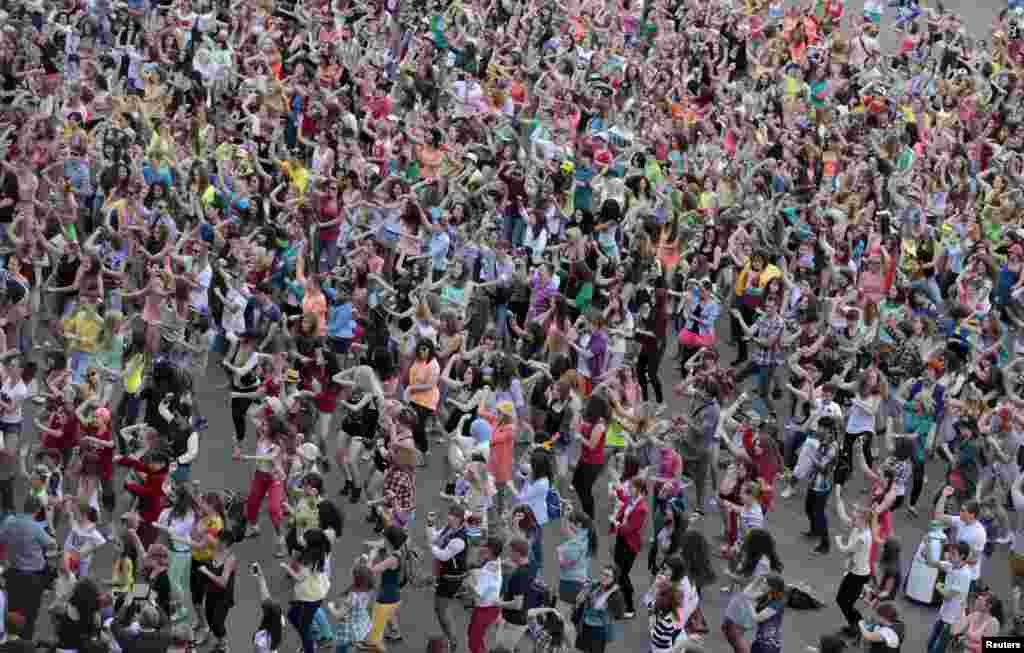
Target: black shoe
x=345, y=489
x=849, y=632
x=808, y=534
x=449, y=489
x=356, y=492
x=821, y=549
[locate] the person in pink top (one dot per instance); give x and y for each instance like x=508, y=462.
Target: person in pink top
x=983, y=621
x=155, y=292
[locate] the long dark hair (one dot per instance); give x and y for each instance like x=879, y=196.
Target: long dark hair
x=85, y=597
x=318, y=547
x=758, y=544
x=183, y=502
x=696, y=556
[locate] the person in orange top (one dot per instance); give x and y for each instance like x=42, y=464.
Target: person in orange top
x=314, y=302
x=430, y=156
x=423, y=393
x=502, y=449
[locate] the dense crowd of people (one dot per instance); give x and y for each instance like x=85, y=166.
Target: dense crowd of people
x=475, y=239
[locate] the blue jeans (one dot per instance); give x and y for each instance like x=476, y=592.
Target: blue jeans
x=501, y=320
x=300, y=615
x=764, y=374
x=329, y=252
x=931, y=288
x=514, y=229
x=939, y=637
x=183, y=474
x=322, y=629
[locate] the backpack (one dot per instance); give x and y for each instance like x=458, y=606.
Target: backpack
x=411, y=567
x=554, y=501
x=801, y=599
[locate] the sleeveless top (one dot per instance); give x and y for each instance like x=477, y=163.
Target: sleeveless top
x=455, y=568
x=389, y=591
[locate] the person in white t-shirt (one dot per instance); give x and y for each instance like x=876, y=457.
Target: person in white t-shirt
x=968, y=529
x=888, y=629
x=84, y=538
x=13, y=393
x=857, y=549
x=954, y=590
x=233, y=317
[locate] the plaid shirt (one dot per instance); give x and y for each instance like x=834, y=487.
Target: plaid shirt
x=401, y=484
x=769, y=327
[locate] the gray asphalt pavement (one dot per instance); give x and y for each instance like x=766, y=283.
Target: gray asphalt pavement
x=215, y=469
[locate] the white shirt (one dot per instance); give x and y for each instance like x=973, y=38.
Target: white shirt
x=535, y=495
x=200, y=295
x=859, y=549
x=805, y=460
x=975, y=537
x=957, y=580
x=455, y=546
x=536, y=244
x=889, y=636
x=17, y=393
x=80, y=538
x=178, y=526
x=233, y=319
x=860, y=420
x=488, y=584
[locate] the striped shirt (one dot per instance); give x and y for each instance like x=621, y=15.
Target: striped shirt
x=665, y=630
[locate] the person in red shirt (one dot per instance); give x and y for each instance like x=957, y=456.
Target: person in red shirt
x=60, y=432
x=153, y=468
x=98, y=445
x=628, y=527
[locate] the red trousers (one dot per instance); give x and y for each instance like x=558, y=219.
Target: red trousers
x=264, y=484
x=482, y=619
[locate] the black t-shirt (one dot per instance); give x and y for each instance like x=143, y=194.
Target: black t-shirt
x=8, y=190
x=518, y=585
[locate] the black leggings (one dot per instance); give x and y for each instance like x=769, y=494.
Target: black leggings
x=624, y=558
x=217, y=608
x=419, y=432
x=583, y=482
x=915, y=491
x=239, y=408
x=849, y=591
x=647, y=365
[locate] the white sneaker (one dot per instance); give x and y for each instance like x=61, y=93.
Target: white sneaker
x=786, y=492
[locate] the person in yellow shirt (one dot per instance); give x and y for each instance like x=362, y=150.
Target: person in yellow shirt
x=208, y=528
x=82, y=332
x=750, y=285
